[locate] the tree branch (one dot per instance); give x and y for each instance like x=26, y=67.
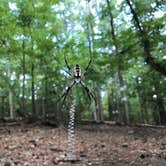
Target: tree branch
x=150, y=60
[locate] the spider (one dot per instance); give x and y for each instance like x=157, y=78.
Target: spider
x=77, y=76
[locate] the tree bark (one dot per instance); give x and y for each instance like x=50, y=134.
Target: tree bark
x=150, y=60
x=11, y=109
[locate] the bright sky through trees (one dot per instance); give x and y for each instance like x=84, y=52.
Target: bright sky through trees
x=157, y=14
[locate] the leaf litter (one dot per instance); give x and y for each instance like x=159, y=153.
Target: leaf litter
x=96, y=145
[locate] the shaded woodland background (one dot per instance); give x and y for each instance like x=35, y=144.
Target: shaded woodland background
x=126, y=40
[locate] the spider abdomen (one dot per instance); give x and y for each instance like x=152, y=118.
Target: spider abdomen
x=77, y=71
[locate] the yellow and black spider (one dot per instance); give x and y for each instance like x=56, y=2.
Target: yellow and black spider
x=77, y=76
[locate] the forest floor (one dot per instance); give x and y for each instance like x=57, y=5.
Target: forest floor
x=95, y=145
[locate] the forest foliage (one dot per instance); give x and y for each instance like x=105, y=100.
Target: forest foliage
x=124, y=38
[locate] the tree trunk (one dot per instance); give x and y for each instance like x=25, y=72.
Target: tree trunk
x=117, y=111
x=45, y=98
x=95, y=116
x=150, y=60
x=110, y=107
x=99, y=106
x=120, y=77
x=141, y=109
x=34, y=115
x=160, y=106
x=161, y=110
x=90, y=38
x=140, y=100
x=43, y=109
x=46, y=90
x=11, y=110
x=124, y=98
x=23, y=81
x=33, y=83
x=3, y=106
x=33, y=91
x=58, y=114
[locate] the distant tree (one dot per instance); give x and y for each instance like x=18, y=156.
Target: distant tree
x=145, y=39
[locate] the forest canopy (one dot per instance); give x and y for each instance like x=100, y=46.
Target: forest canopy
x=124, y=39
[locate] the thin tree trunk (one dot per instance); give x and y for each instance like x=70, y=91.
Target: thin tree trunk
x=58, y=114
x=11, y=110
x=141, y=109
x=32, y=81
x=90, y=37
x=11, y=105
x=160, y=106
x=23, y=81
x=120, y=77
x=110, y=107
x=95, y=116
x=45, y=99
x=161, y=68
x=124, y=98
x=43, y=109
x=161, y=110
x=95, y=108
x=33, y=91
x=33, y=107
x=3, y=106
x=117, y=111
x=46, y=90
x=100, y=107
x=140, y=102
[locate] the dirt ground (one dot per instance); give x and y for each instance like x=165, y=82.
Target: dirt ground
x=95, y=145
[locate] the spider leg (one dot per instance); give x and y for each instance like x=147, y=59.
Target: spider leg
x=68, y=88
x=68, y=72
x=88, y=65
x=86, y=69
x=69, y=68
x=88, y=91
